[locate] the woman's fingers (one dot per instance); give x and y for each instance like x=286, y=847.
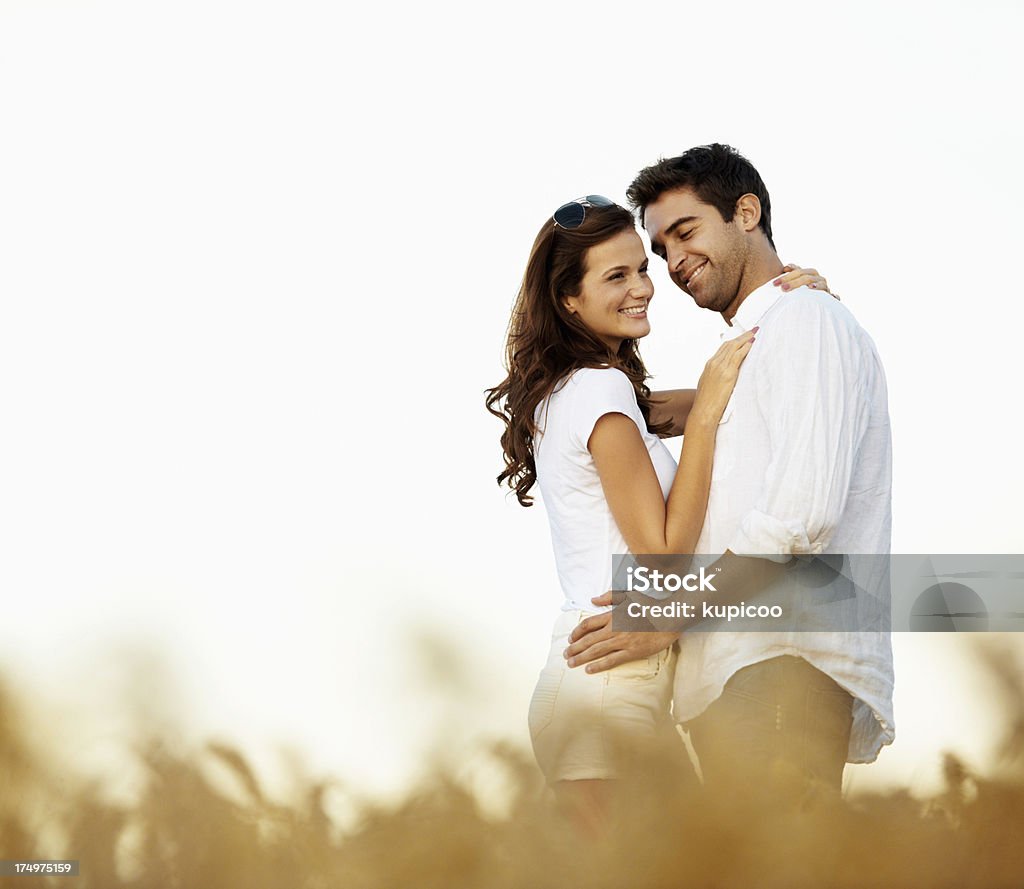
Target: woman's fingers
x=744, y=339
x=800, y=278
x=792, y=273
x=795, y=276
x=719, y=378
x=741, y=352
x=724, y=355
x=723, y=365
x=791, y=270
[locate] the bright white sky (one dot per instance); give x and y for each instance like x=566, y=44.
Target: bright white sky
x=256, y=262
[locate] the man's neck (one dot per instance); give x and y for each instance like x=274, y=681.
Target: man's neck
x=760, y=269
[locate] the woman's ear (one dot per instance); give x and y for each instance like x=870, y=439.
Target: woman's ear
x=570, y=304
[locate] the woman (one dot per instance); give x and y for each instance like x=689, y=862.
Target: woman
x=581, y=423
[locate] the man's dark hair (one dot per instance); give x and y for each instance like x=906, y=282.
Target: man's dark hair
x=718, y=174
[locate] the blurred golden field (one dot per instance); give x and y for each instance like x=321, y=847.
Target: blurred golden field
x=203, y=819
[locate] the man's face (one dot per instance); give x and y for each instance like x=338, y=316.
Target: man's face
x=705, y=255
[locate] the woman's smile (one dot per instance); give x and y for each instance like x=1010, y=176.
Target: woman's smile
x=635, y=311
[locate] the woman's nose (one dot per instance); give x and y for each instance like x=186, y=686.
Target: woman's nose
x=643, y=287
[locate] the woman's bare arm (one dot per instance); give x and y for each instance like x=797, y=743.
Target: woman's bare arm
x=648, y=522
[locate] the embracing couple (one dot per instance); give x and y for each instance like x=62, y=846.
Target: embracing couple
x=786, y=453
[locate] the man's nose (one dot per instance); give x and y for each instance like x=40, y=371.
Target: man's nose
x=675, y=258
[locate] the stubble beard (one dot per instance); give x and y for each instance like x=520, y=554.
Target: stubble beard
x=724, y=287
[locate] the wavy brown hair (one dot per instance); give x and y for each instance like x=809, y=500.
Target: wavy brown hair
x=546, y=342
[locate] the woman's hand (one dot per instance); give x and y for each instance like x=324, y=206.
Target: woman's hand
x=718, y=379
x=794, y=277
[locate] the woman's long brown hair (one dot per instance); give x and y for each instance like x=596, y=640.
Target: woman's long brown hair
x=546, y=342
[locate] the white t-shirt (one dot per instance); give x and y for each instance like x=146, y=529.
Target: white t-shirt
x=583, y=532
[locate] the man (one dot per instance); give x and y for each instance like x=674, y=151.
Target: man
x=802, y=466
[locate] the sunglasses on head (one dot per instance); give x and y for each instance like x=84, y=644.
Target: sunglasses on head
x=571, y=215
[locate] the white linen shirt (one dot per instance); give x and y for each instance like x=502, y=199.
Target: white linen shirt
x=803, y=464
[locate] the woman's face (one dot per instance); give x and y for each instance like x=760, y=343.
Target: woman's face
x=615, y=290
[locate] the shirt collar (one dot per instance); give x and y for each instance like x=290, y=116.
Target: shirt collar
x=753, y=308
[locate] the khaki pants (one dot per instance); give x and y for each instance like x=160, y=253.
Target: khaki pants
x=587, y=725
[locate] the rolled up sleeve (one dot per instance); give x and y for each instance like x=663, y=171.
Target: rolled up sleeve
x=812, y=393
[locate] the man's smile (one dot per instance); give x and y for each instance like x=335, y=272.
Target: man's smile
x=694, y=274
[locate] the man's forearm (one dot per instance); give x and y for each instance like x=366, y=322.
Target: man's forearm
x=738, y=579
x=673, y=406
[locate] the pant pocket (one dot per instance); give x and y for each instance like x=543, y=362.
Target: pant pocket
x=542, y=703
x=645, y=668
